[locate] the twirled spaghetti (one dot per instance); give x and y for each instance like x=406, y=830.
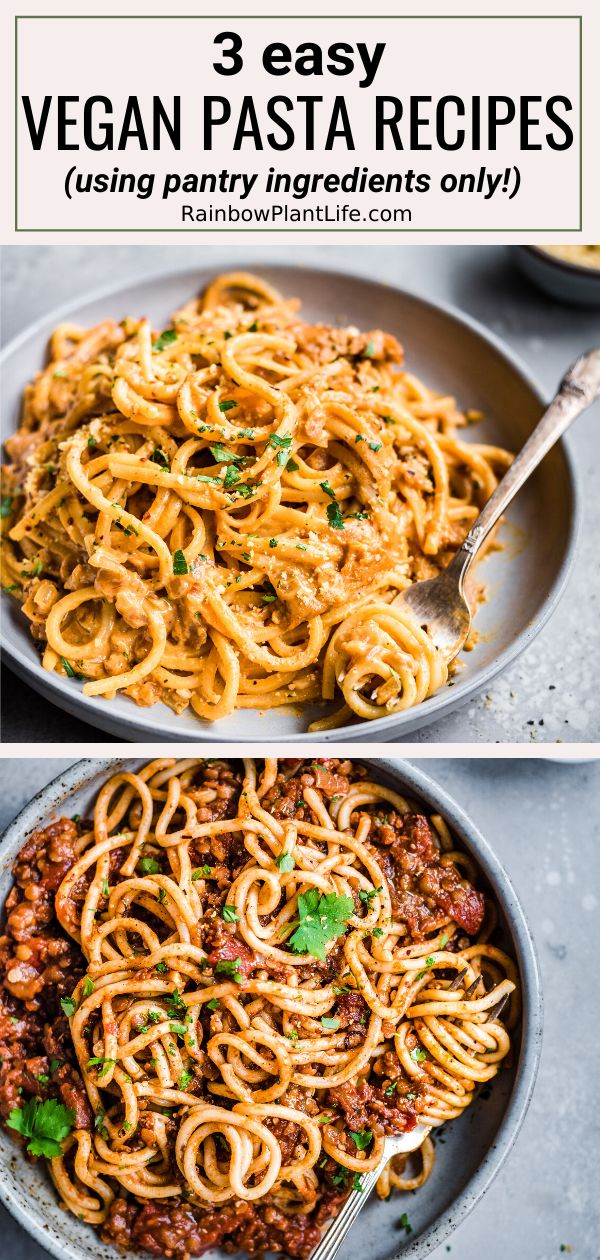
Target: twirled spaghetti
x=225, y=515
x=261, y=974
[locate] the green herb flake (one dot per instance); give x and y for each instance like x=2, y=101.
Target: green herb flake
x=69, y=671
x=180, y=565
x=69, y=1006
x=149, y=866
x=230, y=914
x=361, y=1138
x=103, y=1064
x=322, y=917
x=230, y=967
x=221, y=455
x=334, y=516
x=166, y=339
x=158, y=457
x=46, y=1124
x=88, y=987
x=332, y=1023
x=285, y=863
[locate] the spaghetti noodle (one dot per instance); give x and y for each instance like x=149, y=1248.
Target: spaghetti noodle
x=260, y=975
x=225, y=515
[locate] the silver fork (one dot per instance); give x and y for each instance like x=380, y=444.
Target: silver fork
x=356, y=1200
x=439, y=604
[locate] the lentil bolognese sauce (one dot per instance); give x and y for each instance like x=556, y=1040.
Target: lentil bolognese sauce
x=221, y=992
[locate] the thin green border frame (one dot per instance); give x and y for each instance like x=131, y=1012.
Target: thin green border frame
x=157, y=17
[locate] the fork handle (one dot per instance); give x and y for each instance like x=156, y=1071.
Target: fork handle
x=577, y=390
x=337, y=1231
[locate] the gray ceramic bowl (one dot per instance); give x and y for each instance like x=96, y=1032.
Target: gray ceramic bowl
x=474, y=1147
x=566, y=281
x=453, y=354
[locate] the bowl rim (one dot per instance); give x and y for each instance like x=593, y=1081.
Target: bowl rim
x=141, y=725
x=562, y=264
x=411, y=779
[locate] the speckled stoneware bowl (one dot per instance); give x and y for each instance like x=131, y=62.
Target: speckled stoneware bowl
x=450, y=352
x=472, y=1149
x=567, y=282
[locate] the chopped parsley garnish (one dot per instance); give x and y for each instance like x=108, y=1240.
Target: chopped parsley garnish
x=230, y=967
x=292, y=466
x=185, y=1079
x=268, y=597
x=282, y=443
x=334, y=516
x=227, y=404
x=327, y=488
x=273, y=542
x=161, y=967
x=88, y=987
x=417, y=1055
x=222, y=456
x=99, y=1118
x=180, y=565
x=158, y=457
x=443, y=940
x=285, y=862
x=69, y=1006
x=46, y=1124
x=55, y=1065
x=204, y=872
x=5, y=506
x=68, y=668
x=367, y=895
x=357, y=516
x=375, y=446
x=149, y=866
x=162, y=895
x=388, y=420
x=166, y=339
x=253, y=327
x=330, y=1022
x=390, y=1089
x=322, y=917
x=369, y=350
x=175, y=1002
x=105, y=888
x=213, y=1005
x=377, y=932
x=404, y=1223
x=361, y=1138
x=231, y=477
x=180, y=1030
x=42, y=1078
x=230, y=914
x=104, y=1064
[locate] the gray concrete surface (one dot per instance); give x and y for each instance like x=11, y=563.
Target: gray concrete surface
x=543, y=821
x=481, y=281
